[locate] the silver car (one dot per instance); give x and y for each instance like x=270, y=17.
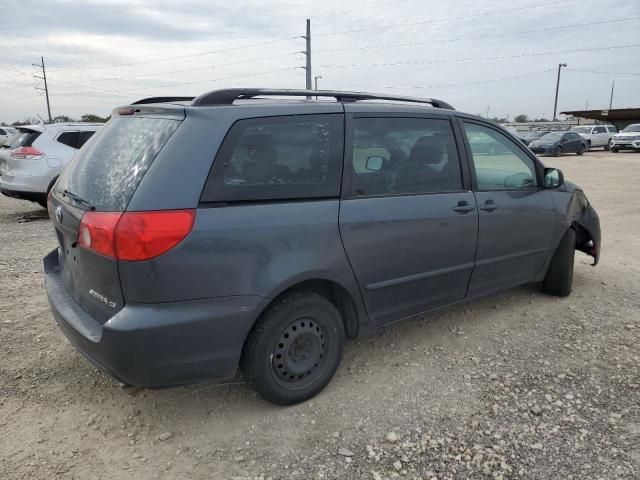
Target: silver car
x=37, y=154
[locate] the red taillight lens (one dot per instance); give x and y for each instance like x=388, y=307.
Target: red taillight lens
x=29, y=153
x=145, y=235
x=97, y=232
x=134, y=236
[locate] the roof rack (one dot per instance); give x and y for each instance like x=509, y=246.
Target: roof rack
x=229, y=95
x=162, y=100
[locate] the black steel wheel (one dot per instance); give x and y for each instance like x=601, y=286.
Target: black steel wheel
x=294, y=349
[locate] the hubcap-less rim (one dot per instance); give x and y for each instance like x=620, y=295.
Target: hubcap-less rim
x=299, y=352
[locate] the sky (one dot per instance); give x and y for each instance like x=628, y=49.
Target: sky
x=482, y=56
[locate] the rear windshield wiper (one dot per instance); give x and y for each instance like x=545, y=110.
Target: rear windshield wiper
x=77, y=199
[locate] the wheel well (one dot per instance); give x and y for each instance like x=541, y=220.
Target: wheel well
x=336, y=294
x=51, y=184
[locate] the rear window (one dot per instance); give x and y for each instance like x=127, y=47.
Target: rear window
x=24, y=139
x=108, y=170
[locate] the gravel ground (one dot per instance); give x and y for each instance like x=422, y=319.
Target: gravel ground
x=519, y=385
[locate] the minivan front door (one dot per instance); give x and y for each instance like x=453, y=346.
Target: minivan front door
x=516, y=215
x=408, y=226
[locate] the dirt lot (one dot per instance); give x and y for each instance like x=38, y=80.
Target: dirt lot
x=519, y=385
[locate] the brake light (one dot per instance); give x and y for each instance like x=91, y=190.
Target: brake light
x=27, y=153
x=134, y=236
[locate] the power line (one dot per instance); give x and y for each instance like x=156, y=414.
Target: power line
x=475, y=59
x=447, y=19
x=422, y=87
x=179, y=57
x=476, y=37
x=600, y=72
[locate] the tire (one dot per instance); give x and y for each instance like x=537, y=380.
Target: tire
x=588, y=145
x=581, y=150
x=606, y=145
x=559, y=277
x=304, y=331
x=557, y=152
x=615, y=149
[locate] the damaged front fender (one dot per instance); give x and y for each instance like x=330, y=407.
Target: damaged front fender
x=584, y=219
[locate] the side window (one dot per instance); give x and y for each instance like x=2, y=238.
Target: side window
x=599, y=130
x=612, y=129
x=499, y=163
x=278, y=158
x=402, y=156
x=2, y=132
x=70, y=139
x=83, y=137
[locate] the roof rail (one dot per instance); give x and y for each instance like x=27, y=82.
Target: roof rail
x=162, y=100
x=229, y=95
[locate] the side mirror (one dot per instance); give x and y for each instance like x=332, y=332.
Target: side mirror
x=553, y=178
x=374, y=164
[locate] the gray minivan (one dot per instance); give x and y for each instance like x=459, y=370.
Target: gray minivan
x=244, y=229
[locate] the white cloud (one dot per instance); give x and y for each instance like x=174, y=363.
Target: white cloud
x=86, y=43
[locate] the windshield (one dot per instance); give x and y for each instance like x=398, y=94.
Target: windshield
x=581, y=130
x=110, y=166
x=552, y=136
x=632, y=128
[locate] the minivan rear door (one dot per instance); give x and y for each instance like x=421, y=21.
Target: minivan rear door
x=102, y=178
x=408, y=220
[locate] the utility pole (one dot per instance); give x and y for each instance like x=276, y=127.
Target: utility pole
x=307, y=52
x=45, y=89
x=488, y=111
x=315, y=79
x=613, y=84
x=555, y=105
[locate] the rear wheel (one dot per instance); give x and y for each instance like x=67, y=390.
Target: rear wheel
x=559, y=277
x=588, y=145
x=295, y=348
x=581, y=150
x=606, y=145
x=615, y=149
x=557, y=152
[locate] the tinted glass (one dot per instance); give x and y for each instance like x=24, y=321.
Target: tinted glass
x=107, y=172
x=403, y=156
x=551, y=136
x=83, y=137
x=632, y=128
x=2, y=132
x=24, y=139
x=586, y=130
x=278, y=158
x=499, y=163
x=599, y=130
x=612, y=129
x=70, y=139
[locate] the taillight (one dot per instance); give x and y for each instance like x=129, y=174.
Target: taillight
x=97, y=232
x=134, y=236
x=28, y=153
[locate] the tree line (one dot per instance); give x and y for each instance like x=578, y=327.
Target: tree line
x=87, y=118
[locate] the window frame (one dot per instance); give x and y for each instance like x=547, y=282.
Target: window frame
x=347, y=175
x=539, y=168
x=213, y=195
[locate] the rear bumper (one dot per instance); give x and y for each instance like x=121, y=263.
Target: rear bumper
x=154, y=345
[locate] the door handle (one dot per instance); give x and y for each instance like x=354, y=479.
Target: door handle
x=489, y=206
x=464, y=207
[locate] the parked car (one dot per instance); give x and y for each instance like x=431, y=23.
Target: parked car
x=37, y=156
x=529, y=137
x=627, y=139
x=201, y=235
x=6, y=134
x=559, y=143
x=596, y=135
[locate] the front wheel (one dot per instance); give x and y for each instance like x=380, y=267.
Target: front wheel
x=580, y=150
x=588, y=145
x=294, y=349
x=606, y=145
x=559, y=277
x=615, y=149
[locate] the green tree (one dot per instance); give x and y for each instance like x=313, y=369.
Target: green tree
x=90, y=117
x=521, y=118
x=62, y=119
